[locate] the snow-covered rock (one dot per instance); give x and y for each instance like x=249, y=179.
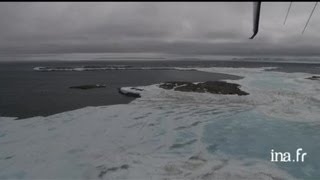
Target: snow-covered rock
x=131, y=91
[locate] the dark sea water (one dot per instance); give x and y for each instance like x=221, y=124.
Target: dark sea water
x=27, y=93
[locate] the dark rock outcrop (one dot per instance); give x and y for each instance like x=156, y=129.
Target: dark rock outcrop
x=104, y=170
x=215, y=87
x=314, y=78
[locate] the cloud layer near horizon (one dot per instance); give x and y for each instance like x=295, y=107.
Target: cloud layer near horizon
x=208, y=28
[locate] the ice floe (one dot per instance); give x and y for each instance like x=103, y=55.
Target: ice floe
x=98, y=68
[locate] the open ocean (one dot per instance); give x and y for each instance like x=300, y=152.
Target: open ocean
x=27, y=93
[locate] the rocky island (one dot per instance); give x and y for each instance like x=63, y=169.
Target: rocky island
x=214, y=87
x=90, y=86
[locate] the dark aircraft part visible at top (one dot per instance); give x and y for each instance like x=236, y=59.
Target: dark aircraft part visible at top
x=256, y=18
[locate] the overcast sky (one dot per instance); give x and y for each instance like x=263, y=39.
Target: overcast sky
x=207, y=28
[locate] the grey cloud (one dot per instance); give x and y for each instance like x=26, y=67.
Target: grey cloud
x=165, y=27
